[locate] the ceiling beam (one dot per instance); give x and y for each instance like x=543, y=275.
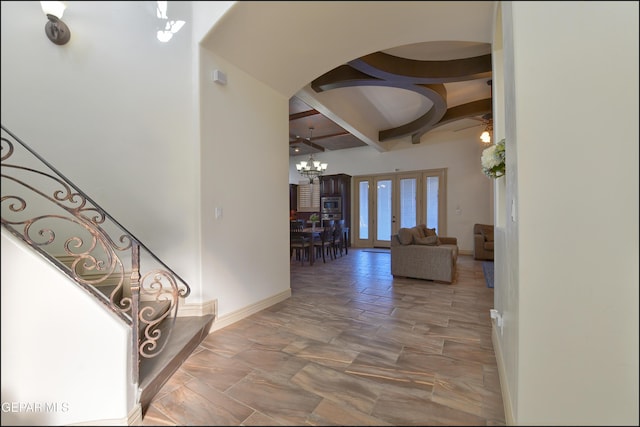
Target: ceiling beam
x=307, y=142
x=426, y=78
x=303, y=114
x=330, y=135
x=388, y=67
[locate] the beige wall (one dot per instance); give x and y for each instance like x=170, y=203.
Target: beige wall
x=244, y=173
x=571, y=308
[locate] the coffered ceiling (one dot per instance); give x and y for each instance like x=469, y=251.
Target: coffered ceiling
x=404, y=92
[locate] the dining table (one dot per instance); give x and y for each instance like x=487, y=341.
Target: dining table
x=316, y=232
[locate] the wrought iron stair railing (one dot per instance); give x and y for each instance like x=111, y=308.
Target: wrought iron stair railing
x=53, y=216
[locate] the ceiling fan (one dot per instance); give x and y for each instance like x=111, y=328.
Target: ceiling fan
x=485, y=120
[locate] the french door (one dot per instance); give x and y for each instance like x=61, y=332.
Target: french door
x=385, y=203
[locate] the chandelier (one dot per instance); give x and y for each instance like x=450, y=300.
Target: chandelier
x=311, y=168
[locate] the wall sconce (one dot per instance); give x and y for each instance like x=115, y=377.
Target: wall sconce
x=56, y=30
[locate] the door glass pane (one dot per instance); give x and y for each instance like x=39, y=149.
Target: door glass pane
x=364, y=210
x=432, y=202
x=408, y=202
x=383, y=210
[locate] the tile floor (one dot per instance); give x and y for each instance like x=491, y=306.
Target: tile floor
x=352, y=346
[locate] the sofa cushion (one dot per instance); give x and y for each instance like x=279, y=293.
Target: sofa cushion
x=488, y=245
x=405, y=236
x=487, y=234
x=431, y=241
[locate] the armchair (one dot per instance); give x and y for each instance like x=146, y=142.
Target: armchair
x=483, y=241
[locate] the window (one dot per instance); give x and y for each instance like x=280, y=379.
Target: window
x=432, y=186
x=387, y=202
x=309, y=196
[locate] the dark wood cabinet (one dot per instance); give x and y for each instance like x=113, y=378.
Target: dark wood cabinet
x=338, y=185
x=328, y=186
x=335, y=185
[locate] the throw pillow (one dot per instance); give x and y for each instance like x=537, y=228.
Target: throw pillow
x=429, y=232
x=405, y=236
x=415, y=232
x=430, y=241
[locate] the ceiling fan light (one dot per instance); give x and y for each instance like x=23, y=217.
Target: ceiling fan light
x=485, y=137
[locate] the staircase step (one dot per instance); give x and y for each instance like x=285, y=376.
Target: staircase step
x=187, y=334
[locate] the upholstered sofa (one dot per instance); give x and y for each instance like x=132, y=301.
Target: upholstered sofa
x=483, y=241
x=419, y=253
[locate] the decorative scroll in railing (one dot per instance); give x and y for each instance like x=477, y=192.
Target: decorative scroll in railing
x=48, y=212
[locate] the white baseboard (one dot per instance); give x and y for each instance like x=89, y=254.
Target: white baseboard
x=231, y=318
x=133, y=419
x=464, y=252
x=135, y=416
x=504, y=386
x=198, y=309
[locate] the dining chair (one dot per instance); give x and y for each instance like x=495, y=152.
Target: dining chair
x=296, y=225
x=337, y=239
x=328, y=222
x=300, y=244
x=323, y=242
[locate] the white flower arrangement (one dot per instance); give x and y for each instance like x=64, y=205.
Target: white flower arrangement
x=493, y=159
